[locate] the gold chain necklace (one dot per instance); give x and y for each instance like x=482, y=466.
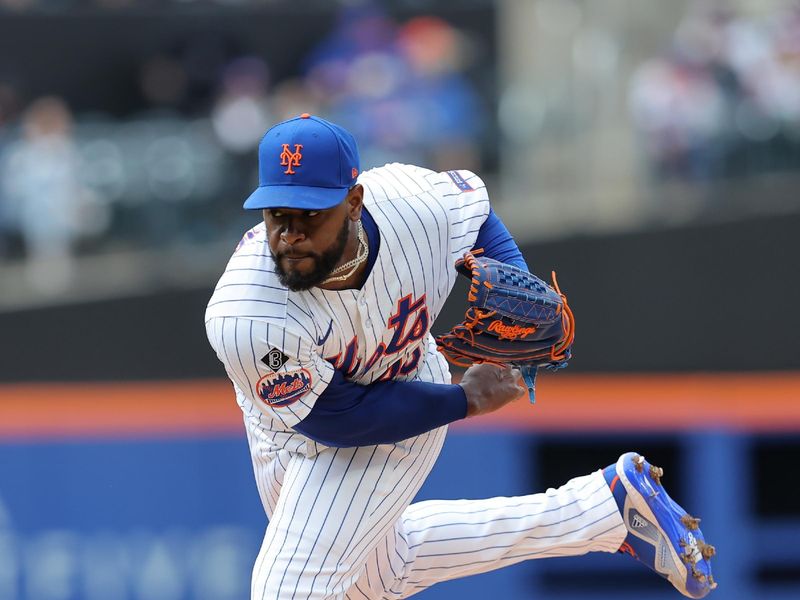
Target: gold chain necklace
x=361, y=255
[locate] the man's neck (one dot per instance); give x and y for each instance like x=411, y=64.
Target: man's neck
x=357, y=279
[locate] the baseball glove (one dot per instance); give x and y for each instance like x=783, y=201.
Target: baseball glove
x=514, y=319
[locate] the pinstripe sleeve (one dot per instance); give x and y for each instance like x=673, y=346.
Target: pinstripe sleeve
x=277, y=369
x=464, y=197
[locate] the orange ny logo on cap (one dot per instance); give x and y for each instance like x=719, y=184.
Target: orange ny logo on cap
x=291, y=159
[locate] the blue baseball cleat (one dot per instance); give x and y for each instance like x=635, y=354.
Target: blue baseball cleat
x=660, y=533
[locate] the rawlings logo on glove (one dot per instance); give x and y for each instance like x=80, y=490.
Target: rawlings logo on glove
x=509, y=332
x=514, y=318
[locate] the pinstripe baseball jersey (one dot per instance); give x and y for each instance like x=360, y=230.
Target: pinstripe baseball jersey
x=280, y=347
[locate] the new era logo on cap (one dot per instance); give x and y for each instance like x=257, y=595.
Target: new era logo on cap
x=305, y=163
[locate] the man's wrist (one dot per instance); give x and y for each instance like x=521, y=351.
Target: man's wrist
x=471, y=404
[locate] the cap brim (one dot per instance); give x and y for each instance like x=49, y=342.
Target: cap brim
x=295, y=196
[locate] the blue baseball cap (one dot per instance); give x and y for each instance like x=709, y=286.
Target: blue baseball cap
x=307, y=163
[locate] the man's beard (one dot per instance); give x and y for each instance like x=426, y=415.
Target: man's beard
x=323, y=264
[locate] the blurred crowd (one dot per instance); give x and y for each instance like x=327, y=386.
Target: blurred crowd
x=62, y=6
x=175, y=172
x=65, y=5
x=725, y=100
x=169, y=165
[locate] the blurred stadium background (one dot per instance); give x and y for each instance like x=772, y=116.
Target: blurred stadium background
x=649, y=151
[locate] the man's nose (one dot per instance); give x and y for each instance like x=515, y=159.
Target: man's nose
x=291, y=235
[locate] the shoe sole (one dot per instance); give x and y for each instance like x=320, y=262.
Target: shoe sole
x=690, y=554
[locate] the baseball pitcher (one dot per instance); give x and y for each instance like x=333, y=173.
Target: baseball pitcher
x=322, y=319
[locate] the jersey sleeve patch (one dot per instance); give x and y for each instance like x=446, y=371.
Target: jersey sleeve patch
x=460, y=182
x=284, y=389
x=274, y=359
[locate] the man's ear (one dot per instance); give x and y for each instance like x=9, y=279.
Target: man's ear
x=355, y=202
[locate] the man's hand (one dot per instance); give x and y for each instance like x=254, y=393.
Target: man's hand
x=489, y=387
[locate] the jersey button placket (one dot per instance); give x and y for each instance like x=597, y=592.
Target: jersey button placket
x=362, y=304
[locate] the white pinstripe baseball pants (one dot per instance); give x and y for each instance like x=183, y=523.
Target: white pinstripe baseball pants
x=341, y=526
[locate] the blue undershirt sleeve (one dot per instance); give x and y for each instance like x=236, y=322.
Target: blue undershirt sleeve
x=348, y=414
x=497, y=243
